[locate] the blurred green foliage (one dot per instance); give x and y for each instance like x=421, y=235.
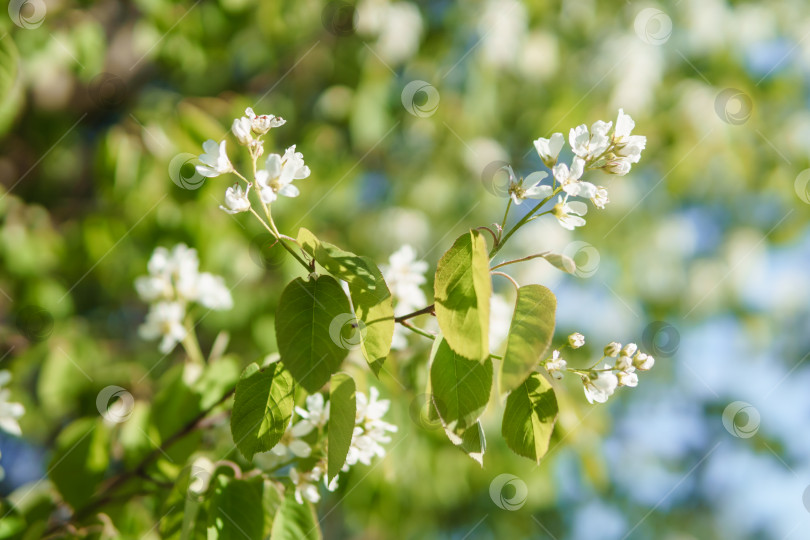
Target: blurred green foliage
x=96, y=102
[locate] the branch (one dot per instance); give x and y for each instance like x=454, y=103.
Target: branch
x=522, y=259
x=425, y=310
x=114, y=483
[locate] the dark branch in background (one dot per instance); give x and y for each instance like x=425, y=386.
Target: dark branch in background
x=115, y=482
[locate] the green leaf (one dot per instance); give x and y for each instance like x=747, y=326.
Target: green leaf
x=305, y=313
x=80, y=461
x=374, y=306
x=373, y=303
x=462, y=291
x=528, y=420
x=341, y=264
x=262, y=408
x=460, y=387
x=529, y=336
x=236, y=509
x=342, y=412
x=11, y=84
x=295, y=521
x=471, y=441
x=272, y=497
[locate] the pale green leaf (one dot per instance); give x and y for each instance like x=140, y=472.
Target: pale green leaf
x=471, y=441
x=342, y=412
x=529, y=416
x=373, y=303
x=529, y=335
x=237, y=510
x=305, y=314
x=262, y=408
x=460, y=387
x=462, y=292
x=295, y=521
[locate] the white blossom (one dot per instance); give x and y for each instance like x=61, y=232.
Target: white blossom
x=576, y=340
x=152, y=288
x=624, y=126
x=279, y=173
x=241, y=129
x=164, y=320
x=215, y=160
x=569, y=179
x=643, y=361
x=212, y=292
x=590, y=145
x=236, y=200
x=370, y=431
x=556, y=365
x=625, y=363
x=600, y=385
x=549, y=149
x=316, y=414
x=263, y=123
x=568, y=214
x=174, y=280
x=619, y=167
x=629, y=349
x=306, y=484
x=627, y=378
x=291, y=442
x=405, y=275
x=600, y=198
x=536, y=191
x=10, y=411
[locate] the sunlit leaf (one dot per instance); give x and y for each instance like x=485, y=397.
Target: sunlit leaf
x=462, y=292
x=529, y=335
x=306, y=310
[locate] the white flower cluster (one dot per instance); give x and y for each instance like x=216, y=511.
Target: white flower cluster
x=370, y=433
x=10, y=411
x=174, y=281
x=612, y=149
x=273, y=179
x=405, y=275
x=600, y=383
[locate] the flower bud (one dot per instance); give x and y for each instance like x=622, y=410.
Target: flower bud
x=576, y=340
x=629, y=349
x=643, y=361
x=241, y=130
x=627, y=379
x=613, y=349
x=625, y=363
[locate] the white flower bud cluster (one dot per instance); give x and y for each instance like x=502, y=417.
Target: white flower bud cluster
x=602, y=147
x=273, y=179
x=600, y=383
x=301, y=438
x=173, y=282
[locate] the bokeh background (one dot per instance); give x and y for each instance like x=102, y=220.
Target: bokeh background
x=701, y=256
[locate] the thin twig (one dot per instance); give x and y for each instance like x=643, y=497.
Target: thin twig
x=425, y=310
